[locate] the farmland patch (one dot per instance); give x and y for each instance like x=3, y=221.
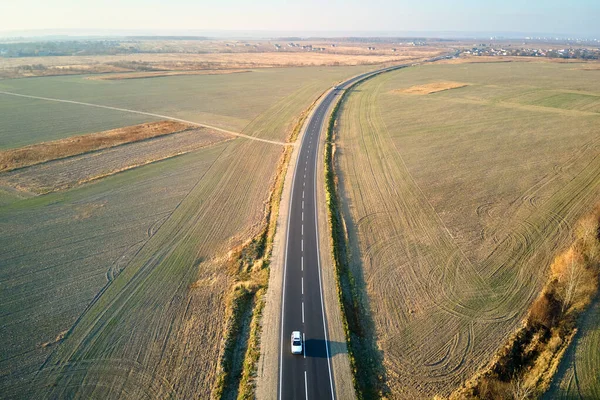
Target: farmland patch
x=25, y=122
x=218, y=100
x=42, y=152
x=69, y=172
x=58, y=252
x=455, y=206
x=562, y=99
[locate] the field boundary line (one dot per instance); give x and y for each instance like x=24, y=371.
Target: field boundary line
x=149, y=114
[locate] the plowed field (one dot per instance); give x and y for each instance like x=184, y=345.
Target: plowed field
x=456, y=203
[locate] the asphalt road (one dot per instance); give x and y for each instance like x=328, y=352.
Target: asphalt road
x=307, y=376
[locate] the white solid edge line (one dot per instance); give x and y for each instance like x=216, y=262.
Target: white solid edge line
x=287, y=239
x=304, y=345
x=305, y=383
x=320, y=284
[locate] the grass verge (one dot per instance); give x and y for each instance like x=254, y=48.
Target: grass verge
x=525, y=366
x=365, y=361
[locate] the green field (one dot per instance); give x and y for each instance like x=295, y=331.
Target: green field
x=29, y=121
x=117, y=288
x=60, y=250
x=455, y=204
x=228, y=101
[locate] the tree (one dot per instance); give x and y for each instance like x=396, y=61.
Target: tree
x=519, y=389
x=571, y=279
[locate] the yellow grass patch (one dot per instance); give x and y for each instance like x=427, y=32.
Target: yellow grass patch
x=431, y=88
x=43, y=152
x=58, y=339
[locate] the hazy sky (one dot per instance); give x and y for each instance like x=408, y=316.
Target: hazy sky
x=549, y=16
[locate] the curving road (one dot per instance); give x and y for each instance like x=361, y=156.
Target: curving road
x=307, y=376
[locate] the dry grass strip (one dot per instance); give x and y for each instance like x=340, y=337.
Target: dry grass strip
x=431, y=88
x=62, y=148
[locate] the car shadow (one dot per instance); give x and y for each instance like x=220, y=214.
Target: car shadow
x=316, y=348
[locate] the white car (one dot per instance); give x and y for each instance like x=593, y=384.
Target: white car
x=296, y=343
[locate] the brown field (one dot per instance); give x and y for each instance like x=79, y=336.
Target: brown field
x=46, y=151
x=456, y=203
x=116, y=156
x=144, y=62
x=431, y=88
x=158, y=74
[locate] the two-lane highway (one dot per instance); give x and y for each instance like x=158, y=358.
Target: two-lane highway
x=309, y=375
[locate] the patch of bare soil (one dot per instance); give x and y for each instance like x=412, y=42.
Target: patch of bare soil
x=431, y=88
x=62, y=148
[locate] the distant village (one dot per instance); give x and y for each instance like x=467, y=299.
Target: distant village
x=495, y=50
